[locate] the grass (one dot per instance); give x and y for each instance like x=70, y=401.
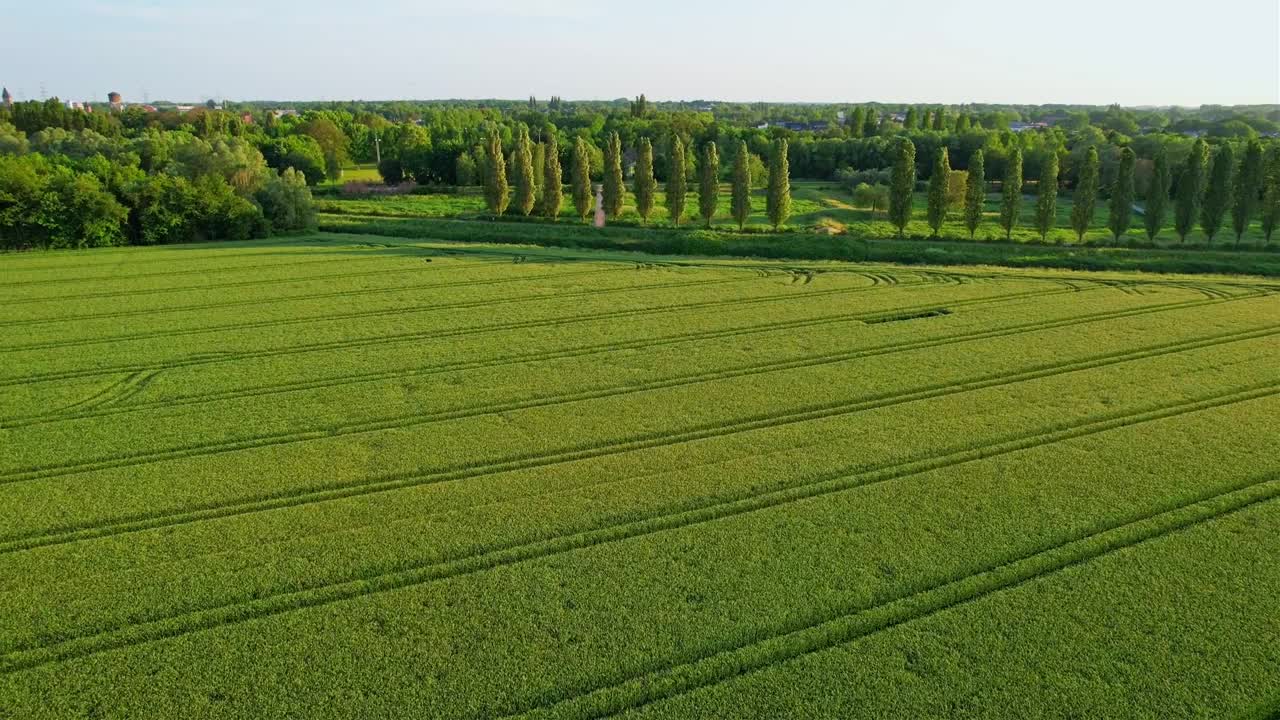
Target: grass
x=818, y=203
x=400, y=477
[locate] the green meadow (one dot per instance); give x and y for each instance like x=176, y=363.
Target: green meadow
x=361, y=476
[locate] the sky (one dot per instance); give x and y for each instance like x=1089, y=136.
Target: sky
x=1173, y=52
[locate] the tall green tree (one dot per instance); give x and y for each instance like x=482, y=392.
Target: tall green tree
x=858, y=122
x=912, y=119
x=778, y=201
x=1047, y=196
x=1011, y=193
x=646, y=187
x=1157, y=195
x=871, y=123
x=1271, y=195
x=1248, y=188
x=1120, y=215
x=496, y=190
x=926, y=119
x=902, y=185
x=580, y=174
x=740, y=204
x=1217, y=194
x=1086, y=195
x=614, y=189
x=940, y=119
x=677, y=184
x=553, y=178
x=975, y=193
x=1190, y=190
x=709, y=182
x=526, y=185
x=936, y=211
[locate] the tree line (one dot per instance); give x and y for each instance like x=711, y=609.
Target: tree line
x=1212, y=190
x=520, y=194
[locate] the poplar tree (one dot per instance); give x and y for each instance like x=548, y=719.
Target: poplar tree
x=926, y=119
x=741, y=201
x=1047, y=197
x=614, y=189
x=1011, y=197
x=936, y=211
x=778, y=204
x=1271, y=195
x=975, y=194
x=526, y=188
x=1190, y=190
x=912, y=119
x=962, y=124
x=646, y=186
x=539, y=167
x=677, y=183
x=940, y=119
x=1248, y=186
x=1217, y=195
x=902, y=185
x=1121, y=213
x=552, y=187
x=1157, y=196
x=580, y=174
x=857, y=122
x=871, y=124
x=496, y=189
x=709, y=182
x=1086, y=195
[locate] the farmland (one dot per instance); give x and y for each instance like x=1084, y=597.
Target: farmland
x=358, y=476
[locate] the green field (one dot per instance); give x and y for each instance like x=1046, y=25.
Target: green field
x=353, y=476
x=813, y=204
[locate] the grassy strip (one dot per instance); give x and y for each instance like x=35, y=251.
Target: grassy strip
x=799, y=246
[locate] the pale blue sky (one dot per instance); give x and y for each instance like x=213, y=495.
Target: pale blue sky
x=1029, y=51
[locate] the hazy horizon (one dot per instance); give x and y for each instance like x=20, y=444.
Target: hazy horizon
x=1003, y=52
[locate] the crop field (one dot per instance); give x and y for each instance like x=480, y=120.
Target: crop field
x=355, y=477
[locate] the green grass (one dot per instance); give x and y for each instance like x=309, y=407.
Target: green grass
x=412, y=478
x=816, y=203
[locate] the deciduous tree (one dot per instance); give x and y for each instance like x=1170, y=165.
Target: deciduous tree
x=1086, y=195
x=1121, y=211
x=936, y=211
x=496, y=190
x=1190, y=190
x=646, y=186
x=526, y=186
x=1011, y=196
x=677, y=184
x=708, y=182
x=614, y=189
x=1271, y=195
x=740, y=204
x=552, y=179
x=778, y=204
x=1217, y=194
x=902, y=185
x=580, y=175
x=976, y=193
x=1157, y=195
x=1047, y=198
x=1248, y=186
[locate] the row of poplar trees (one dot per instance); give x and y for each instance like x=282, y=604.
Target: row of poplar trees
x=499, y=196
x=1208, y=189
